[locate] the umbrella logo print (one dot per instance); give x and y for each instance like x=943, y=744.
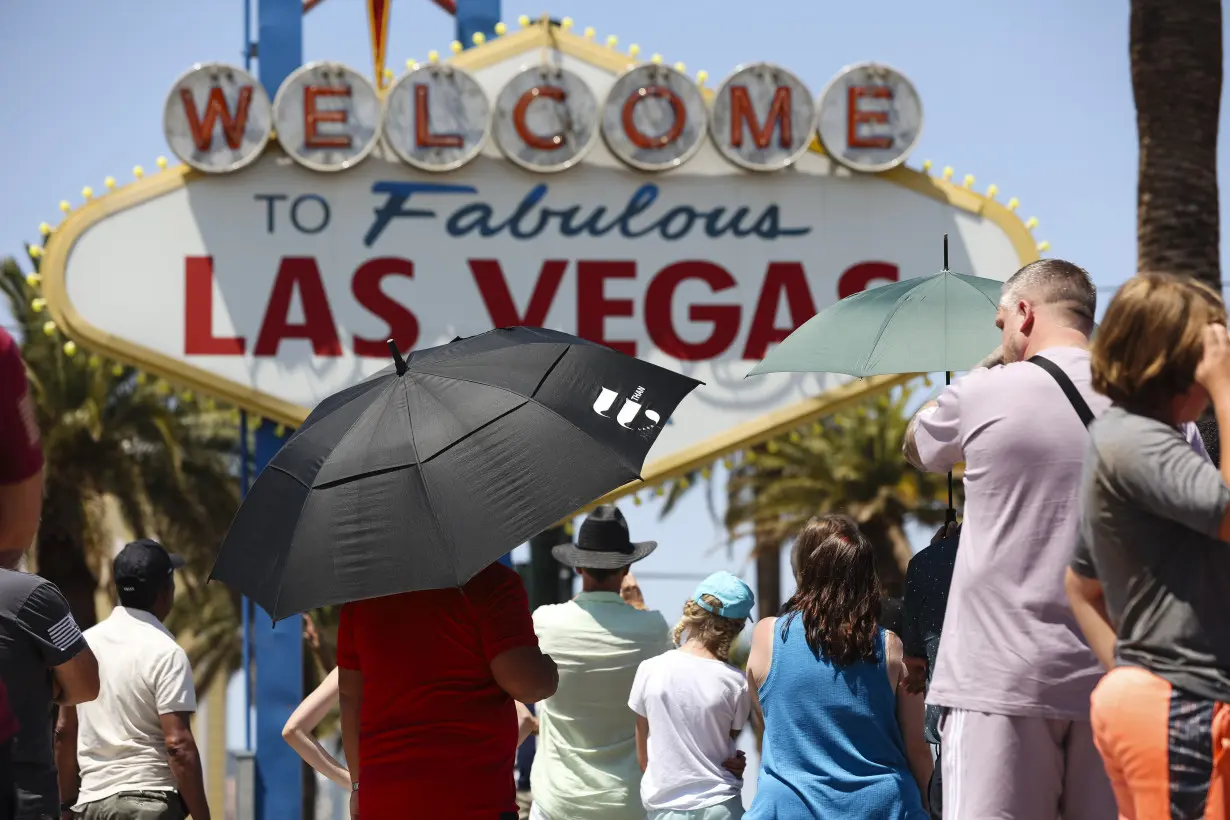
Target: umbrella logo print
x=627, y=413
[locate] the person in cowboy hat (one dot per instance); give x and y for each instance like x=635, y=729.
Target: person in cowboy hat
x=585, y=766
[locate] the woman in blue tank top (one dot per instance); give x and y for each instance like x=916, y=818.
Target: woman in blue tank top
x=843, y=738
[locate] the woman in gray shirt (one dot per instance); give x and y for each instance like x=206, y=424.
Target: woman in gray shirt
x=1150, y=576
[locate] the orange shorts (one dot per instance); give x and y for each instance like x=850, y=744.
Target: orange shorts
x=1167, y=752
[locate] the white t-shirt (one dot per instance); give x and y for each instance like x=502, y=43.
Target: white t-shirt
x=143, y=674
x=692, y=705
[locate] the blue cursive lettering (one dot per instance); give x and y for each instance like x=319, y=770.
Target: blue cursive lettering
x=532, y=216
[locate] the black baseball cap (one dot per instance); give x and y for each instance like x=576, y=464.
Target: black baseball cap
x=143, y=564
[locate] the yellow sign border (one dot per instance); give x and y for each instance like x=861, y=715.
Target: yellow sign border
x=494, y=51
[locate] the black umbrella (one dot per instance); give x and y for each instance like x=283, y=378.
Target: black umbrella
x=427, y=472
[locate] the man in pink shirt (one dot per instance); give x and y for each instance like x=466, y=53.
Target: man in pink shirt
x=1014, y=674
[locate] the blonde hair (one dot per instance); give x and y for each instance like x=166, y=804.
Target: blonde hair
x=714, y=632
x=1148, y=346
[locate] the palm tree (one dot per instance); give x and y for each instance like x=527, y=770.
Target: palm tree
x=112, y=435
x=848, y=463
x=1176, y=58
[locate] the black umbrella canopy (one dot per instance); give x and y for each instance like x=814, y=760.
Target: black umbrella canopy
x=424, y=474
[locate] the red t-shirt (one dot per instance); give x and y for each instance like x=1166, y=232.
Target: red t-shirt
x=21, y=455
x=437, y=736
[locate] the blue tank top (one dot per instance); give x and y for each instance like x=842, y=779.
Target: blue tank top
x=832, y=746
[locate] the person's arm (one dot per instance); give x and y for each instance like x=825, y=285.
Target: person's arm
x=914, y=648
x=1089, y=606
x=185, y=761
x=933, y=436
x=911, y=712
x=1213, y=374
x=527, y=724
x=299, y=731
x=21, y=454
x=66, y=754
x=759, y=659
x=630, y=591
x=642, y=742
x=519, y=667
x=46, y=620
x=350, y=702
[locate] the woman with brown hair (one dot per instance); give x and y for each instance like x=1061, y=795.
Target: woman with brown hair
x=843, y=737
x=1151, y=570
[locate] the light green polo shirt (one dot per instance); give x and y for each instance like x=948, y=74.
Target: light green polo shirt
x=585, y=765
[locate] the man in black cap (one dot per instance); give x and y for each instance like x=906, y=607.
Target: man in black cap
x=585, y=766
x=135, y=751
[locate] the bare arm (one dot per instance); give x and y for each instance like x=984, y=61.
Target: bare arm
x=525, y=673
x=66, y=754
x=21, y=506
x=76, y=680
x=185, y=762
x=350, y=698
x=299, y=731
x=527, y=724
x=911, y=713
x=642, y=741
x=1089, y=606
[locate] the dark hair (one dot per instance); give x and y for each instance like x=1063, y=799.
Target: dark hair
x=601, y=575
x=838, y=599
x=141, y=596
x=1211, y=437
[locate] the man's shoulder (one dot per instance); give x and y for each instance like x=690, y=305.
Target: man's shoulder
x=16, y=587
x=1121, y=437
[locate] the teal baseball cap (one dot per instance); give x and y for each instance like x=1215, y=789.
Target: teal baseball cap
x=735, y=596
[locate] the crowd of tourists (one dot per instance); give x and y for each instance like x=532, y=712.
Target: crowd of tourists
x=1063, y=652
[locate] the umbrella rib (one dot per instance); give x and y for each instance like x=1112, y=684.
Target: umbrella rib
x=431, y=504
x=369, y=474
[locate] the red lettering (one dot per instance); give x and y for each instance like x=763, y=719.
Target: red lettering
x=548, y=143
x=489, y=277
x=312, y=118
x=202, y=126
x=659, y=316
x=856, y=278
x=637, y=137
x=787, y=277
x=742, y=112
x=199, y=338
x=403, y=326
x=856, y=116
x=593, y=308
x=298, y=273
x=422, y=126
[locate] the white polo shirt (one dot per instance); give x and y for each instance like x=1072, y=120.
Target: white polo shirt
x=143, y=674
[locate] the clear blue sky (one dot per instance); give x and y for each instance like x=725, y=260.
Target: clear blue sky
x=1033, y=96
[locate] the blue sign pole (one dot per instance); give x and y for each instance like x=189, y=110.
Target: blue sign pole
x=278, y=648
x=474, y=16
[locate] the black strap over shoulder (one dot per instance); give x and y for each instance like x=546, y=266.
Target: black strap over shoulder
x=1069, y=389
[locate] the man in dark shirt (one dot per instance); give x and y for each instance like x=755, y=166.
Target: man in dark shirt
x=926, y=597
x=43, y=656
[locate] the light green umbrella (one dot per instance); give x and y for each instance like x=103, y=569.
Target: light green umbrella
x=945, y=321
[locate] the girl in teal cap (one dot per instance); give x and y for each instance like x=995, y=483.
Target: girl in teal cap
x=691, y=704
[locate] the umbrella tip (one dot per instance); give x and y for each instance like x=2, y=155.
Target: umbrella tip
x=945, y=251
x=397, y=359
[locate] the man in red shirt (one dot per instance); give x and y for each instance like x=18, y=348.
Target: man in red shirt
x=21, y=504
x=427, y=684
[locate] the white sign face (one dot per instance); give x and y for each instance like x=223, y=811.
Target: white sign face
x=546, y=119
x=437, y=118
x=870, y=118
x=655, y=118
x=217, y=118
x=763, y=117
x=274, y=289
x=327, y=116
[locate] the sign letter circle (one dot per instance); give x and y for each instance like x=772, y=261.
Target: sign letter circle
x=654, y=118
x=886, y=123
x=457, y=121
x=327, y=116
x=546, y=119
x=763, y=117
x=217, y=118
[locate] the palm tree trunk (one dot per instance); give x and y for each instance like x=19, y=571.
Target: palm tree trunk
x=1176, y=57
x=892, y=550
x=61, y=554
x=546, y=574
x=768, y=550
